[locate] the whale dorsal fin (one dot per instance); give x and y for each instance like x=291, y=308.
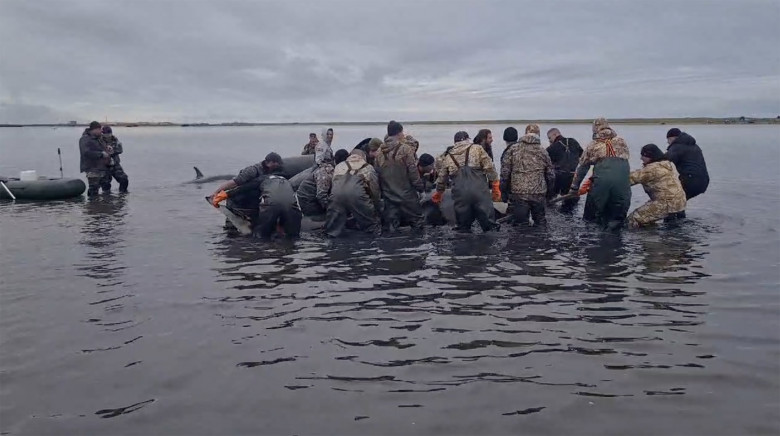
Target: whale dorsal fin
x=198, y=174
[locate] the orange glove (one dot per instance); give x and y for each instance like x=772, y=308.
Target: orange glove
x=219, y=197
x=585, y=188
x=437, y=197
x=496, y=191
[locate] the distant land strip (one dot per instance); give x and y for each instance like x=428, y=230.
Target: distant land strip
x=661, y=121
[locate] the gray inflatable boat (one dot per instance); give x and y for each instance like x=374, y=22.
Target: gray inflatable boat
x=43, y=189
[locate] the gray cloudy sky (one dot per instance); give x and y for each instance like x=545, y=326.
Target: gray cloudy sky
x=294, y=60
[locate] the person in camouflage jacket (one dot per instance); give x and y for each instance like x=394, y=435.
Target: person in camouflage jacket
x=115, y=170
x=468, y=167
x=661, y=182
x=399, y=180
x=610, y=193
x=314, y=192
x=310, y=147
x=356, y=195
x=527, y=173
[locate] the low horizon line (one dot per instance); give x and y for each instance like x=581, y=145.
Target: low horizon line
x=649, y=120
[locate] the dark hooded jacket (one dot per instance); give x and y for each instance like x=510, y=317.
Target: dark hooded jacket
x=689, y=160
x=91, y=151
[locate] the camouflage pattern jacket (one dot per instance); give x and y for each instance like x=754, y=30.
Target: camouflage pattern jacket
x=451, y=161
x=113, y=145
x=606, y=143
x=661, y=183
x=323, y=178
x=308, y=148
x=398, y=152
x=526, y=169
x=356, y=165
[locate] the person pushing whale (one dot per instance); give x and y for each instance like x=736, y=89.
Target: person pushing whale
x=264, y=196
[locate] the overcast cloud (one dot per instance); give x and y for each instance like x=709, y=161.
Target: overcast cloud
x=268, y=61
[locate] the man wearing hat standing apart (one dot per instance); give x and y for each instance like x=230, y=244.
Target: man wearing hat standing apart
x=94, y=159
x=689, y=160
x=114, y=148
x=399, y=179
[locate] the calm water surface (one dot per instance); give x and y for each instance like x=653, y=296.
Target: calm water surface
x=137, y=315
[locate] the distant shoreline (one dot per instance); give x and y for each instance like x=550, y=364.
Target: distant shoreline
x=644, y=121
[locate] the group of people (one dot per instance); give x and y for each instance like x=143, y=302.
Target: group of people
x=378, y=186
x=99, y=150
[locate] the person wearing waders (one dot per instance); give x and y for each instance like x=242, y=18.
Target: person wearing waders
x=246, y=192
x=527, y=174
x=564, y=153
x=469, y=166
x=399, y=180
x=689, y=160
x=610, y=193
x=355, y=195
x=113, y=147
x=94, y=159
x=313, y=192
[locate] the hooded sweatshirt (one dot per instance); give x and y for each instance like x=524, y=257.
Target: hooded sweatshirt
x=526, y=169
x=605, y=144
x=396, y=164
x=688, y=158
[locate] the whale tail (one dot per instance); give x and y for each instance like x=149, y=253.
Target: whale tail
x=198, y=174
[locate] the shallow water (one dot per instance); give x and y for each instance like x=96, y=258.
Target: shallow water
x=136, y=314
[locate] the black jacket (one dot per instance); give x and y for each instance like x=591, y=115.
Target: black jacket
x=689, y=160
x=91, y=151
x=565, y=154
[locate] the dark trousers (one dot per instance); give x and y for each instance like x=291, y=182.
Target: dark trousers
x=361, y=211
x=693, y=187
x=472, y=208
x=114, y=172
x=406, y=213
x=562, y=186
x=521, y=208
x=270, y=217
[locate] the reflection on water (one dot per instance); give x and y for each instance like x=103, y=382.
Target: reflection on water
x=103, y=233
x=435, y=314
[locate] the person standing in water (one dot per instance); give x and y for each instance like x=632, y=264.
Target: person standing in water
x=469, y=166
x=313, y=193
x=114, y=148
x=527, y=174
x=687, y=156
x=610, y=192
x=564, y=153
x=261, y=186
x=94, y=160
x=355, y=194
x=661, y=182
x=399, y=180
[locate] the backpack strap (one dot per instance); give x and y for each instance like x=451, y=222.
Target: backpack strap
x=457, y=165
x=468, y=152
x=353, y=170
